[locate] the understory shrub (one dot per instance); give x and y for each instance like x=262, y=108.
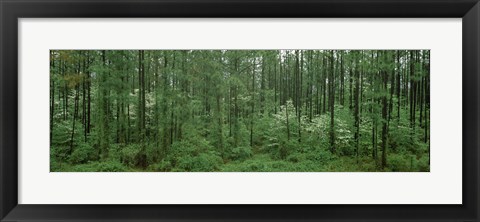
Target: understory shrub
x=104, y=166
x=204, y=162
x=82, y=154
x=240, y=153
x=129, y=155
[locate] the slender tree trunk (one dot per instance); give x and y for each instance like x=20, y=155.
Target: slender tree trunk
x=398, y=85
x=374, y=137
x=75, y=109
x=392, y=90
x=331, y=82
x=324, y=83
x=65, y=92
x=288, y=125
x=412, y=90
x=275, y=87
x=299, y=94
x=384, y=127
x=356, y=96
x=252, y=104
x=141, y=81
x=104, y=144
x=52, y=94
x=427, y=104
x=351, y=89
x=312, y=84
x=342, y=81
x=84, y=99
x=89, y=99
x=220, y=126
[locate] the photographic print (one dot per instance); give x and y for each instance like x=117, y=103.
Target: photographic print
x=239, y=110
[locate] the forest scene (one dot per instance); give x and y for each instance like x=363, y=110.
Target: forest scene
x=239, y=110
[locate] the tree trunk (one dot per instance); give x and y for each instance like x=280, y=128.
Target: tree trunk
x=356, y=115
x=384, y=127
x=252, y=104
x=398, y=85
x=331, y=82
x=52, y=94
x=75, y=110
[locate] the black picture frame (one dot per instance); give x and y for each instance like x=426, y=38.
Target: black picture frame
x=12, y=10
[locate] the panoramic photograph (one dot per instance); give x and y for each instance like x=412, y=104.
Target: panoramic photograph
x=239, y=110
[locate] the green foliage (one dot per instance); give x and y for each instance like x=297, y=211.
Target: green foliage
x=107, y=166
x=162, y=166
x=352, y=164
x=59, y=153
x=111, y=166
x=61, y=139
x=403, y=139
x=92, y=166
x=129, y=155
x=195, y=156
x=260, y=163
x=401, y=163
x=318, y=156
x=61, y=133
x=423, y=163
x=239, y=110
x=204, y=162
x=185, y=148
x=240, y=153
x=82, y=154
x=55, y=165
x=344, y=132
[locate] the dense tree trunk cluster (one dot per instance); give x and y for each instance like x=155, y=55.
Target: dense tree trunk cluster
x=240, y=110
